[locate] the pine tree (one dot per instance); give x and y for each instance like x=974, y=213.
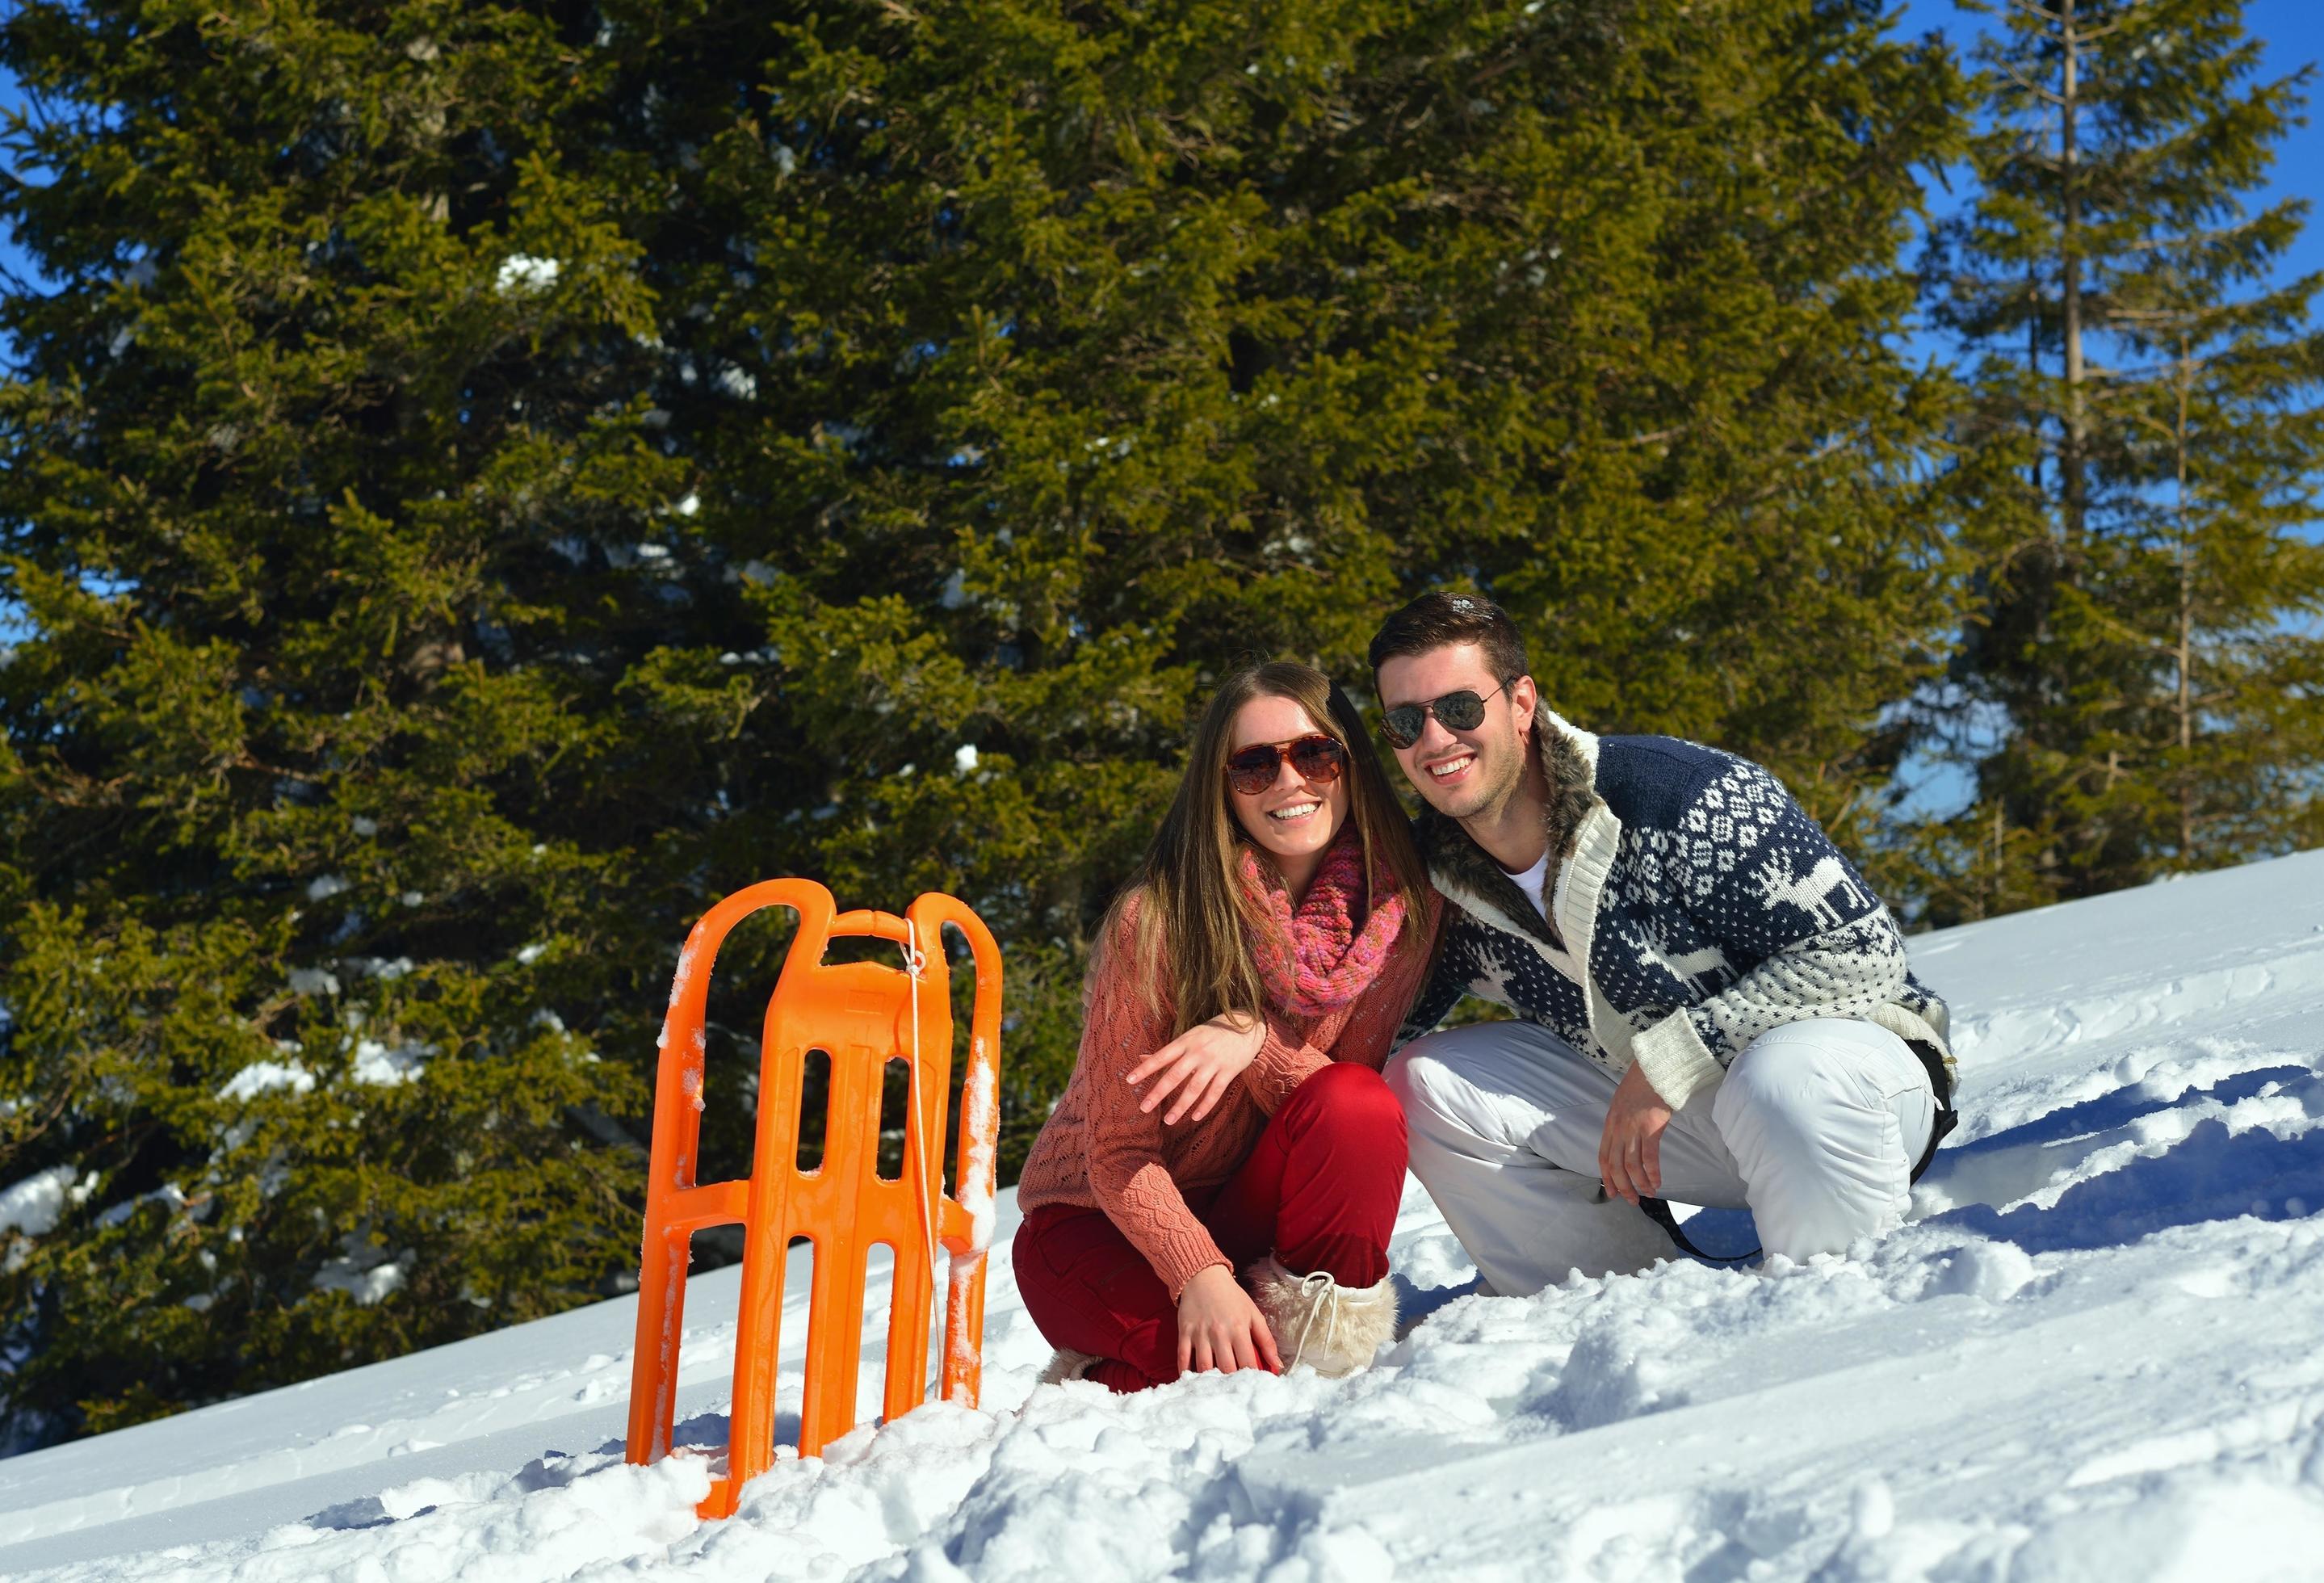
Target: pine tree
x=1085, y=356
x=2144, y=458
x=495, y=478
x=332, y=698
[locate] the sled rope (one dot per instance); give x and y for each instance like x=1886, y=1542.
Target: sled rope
x=914, y=965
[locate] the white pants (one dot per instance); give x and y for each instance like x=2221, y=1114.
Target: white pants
x=1815, y=1129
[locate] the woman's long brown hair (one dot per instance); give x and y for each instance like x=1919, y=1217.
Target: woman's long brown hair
x=1193, y=919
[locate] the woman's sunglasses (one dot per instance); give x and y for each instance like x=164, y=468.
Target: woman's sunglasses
x=1457, y=711
x=1252, y=770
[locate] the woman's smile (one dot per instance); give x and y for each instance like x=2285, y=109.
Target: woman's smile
x=1293, y=819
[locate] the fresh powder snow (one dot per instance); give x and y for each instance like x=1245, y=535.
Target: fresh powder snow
x=2093, y=1354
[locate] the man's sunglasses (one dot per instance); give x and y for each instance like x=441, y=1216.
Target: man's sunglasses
x=1457, y=711
x=1252, y=770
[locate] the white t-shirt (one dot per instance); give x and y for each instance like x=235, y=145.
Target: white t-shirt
x=1535, y=883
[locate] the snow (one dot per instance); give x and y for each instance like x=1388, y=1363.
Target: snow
x=33, y=1205
x=523, y=273
x=382, y=1066
x=313, y=981
x=980, y=1121
x=2090, y=1354
x=263, y=1077
x=362, y=1271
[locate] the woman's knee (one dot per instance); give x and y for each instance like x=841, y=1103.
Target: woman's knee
x=1346, y=1094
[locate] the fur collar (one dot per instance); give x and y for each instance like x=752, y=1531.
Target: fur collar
x=1468, y=874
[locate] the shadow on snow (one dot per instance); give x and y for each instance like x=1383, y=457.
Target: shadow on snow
x=2209, y=1172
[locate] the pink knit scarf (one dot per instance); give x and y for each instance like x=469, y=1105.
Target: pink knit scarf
x=1317, y=959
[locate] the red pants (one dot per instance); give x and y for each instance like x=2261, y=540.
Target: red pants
x=1320, y=1191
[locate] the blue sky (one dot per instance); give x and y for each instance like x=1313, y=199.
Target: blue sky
x=2294, y=32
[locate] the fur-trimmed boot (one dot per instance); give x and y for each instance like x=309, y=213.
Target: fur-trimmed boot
x=1065, y=1364
x=1333, y=1329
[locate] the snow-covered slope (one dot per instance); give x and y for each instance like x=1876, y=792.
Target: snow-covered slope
x=2094, y=1354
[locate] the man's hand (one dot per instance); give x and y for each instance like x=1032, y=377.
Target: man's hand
x=1630, y=1149
x=1200, y=1063
x=1220, y=1328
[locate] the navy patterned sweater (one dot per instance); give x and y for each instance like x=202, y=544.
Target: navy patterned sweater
x=1696, y=907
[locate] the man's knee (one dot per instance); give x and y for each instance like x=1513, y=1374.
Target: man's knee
x=1489, y=1087
x=1440, y=1072
x=1411, y=1075
x=1439, y=1108
x=1779, y=1080
x=1439, y=1098
x=1784, y=1089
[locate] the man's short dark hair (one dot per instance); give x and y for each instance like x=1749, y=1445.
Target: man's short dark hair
x=1436, y=619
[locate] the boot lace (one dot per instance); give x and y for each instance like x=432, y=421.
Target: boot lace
x=1322, y=1295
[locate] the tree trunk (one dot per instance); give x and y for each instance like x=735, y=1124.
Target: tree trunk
x=2185, y=653
x=2073, y=443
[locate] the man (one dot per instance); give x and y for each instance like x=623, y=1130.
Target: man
x=1712, y=1005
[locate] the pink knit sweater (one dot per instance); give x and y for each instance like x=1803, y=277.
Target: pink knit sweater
x=1099, y=1150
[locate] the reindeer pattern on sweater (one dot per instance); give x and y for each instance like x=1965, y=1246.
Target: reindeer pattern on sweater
x=1701, y=892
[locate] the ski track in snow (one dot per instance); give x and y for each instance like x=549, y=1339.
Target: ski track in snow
x=2092, y=1355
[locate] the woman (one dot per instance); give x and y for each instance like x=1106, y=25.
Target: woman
x=1227, y=1111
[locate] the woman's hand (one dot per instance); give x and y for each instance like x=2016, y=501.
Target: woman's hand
x=1200, y=1063
x=1220, y=1328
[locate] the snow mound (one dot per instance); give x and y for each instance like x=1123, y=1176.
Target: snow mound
x=2091, y=1355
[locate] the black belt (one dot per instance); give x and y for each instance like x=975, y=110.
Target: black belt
x=1940, y=1084
x=1941, y=1125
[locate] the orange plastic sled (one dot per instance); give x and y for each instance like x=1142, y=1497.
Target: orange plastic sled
x=862, y=1015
